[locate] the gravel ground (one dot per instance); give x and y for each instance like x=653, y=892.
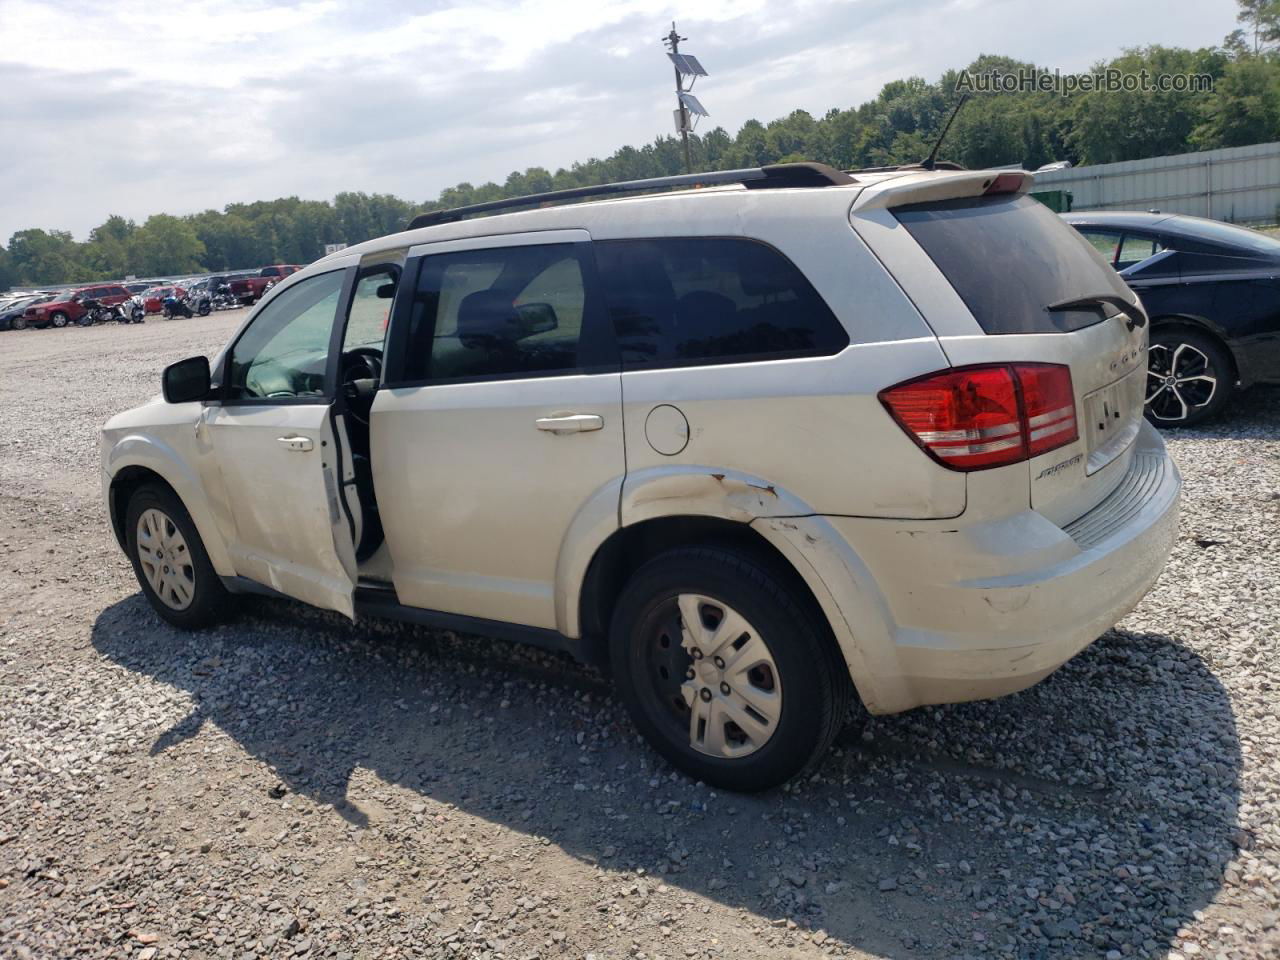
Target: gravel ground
x=294, y=785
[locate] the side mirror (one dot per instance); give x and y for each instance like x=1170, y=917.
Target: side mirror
x=186, y=380
x=386, y=291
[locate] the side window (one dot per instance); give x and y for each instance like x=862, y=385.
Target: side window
x=509, y=312
x=371, y=308
x=284, y=353
x=1135, y=249
x=711, y=300
x=1107, y=244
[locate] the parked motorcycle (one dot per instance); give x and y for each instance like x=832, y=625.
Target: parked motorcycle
x=137, y=310
x=95, y=311
x=223, y=298
x=173, y=306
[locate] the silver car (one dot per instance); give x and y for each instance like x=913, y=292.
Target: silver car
x=761, y=447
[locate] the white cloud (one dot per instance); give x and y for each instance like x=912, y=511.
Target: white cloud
x=134, y=108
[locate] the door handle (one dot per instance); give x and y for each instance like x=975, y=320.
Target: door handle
x=570, y=423
x=301, y=444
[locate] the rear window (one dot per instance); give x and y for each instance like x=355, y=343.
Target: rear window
x=1009, y=258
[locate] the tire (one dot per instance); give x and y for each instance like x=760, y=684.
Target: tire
x=204, y=601
x=798, y=681
x=204, y=308
x=18, y=323
x=58, y=319
x=1190, y=377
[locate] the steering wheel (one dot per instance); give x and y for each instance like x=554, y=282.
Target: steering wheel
x=362, y=359
x=355, y=362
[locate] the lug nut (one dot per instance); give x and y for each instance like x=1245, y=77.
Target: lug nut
x=706, y=693
x=724, y=688
x=697, y=653
x=719, y=661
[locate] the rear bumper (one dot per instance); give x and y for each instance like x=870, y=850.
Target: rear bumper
x=981, y=611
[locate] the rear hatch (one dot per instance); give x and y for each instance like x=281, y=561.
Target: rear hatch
x=1039, y=294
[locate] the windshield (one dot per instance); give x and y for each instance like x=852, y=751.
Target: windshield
x=1215, y=231
x=1009, y=257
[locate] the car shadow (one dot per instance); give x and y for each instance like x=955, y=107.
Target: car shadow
x=1080, y=816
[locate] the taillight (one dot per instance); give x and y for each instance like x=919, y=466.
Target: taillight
x=973, y=418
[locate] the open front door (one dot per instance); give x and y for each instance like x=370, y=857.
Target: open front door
x=277, y=450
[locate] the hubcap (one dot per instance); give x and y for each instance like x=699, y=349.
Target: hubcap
x=165, y=559
x=715, y=676
x=1180, y=379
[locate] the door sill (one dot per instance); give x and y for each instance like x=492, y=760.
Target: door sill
x=376, y=598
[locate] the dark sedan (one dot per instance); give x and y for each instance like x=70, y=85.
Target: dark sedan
x=1212, y=291
x=13, y=309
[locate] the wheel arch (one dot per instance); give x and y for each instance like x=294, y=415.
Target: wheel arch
x=137, y=461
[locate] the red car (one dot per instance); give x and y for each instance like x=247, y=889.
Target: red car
x=153, y=299
x=249, y=289
x=66, y=307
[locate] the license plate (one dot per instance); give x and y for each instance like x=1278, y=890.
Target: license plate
x=1112, y=416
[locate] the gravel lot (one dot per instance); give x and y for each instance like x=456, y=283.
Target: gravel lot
x=291, y=784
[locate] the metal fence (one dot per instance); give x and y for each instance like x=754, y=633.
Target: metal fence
x=1236, y=184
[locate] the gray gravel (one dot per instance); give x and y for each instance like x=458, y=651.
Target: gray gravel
x=292, y=785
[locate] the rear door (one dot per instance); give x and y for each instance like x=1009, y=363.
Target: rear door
x=499, y=425
x=1010, y=261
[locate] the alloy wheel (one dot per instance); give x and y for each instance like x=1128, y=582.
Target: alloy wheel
x=1180, y=380
x=58, y=320
x=166, y=561
x=715, y=676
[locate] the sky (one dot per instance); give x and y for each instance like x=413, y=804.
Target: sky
x=137, y=107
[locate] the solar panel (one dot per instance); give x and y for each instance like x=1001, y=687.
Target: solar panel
x=693, y=105
x=687, y=65
x=695, y=68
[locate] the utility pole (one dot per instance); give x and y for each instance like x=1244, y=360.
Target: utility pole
x=673, y=41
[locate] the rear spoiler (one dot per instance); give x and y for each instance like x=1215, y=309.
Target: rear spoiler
x=928, y=187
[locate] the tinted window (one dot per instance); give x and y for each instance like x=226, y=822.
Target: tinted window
x=284, y=353
x=711, y=300
x=1215, y=231
x=506, y=312
x=1010, y=257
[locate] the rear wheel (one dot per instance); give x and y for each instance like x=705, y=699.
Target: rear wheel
x=59, y=319
x=170, y=561
x=204, y=308
x=725, y=670
x=1189, y=377
x=18, y=323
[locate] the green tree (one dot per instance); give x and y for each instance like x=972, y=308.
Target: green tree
x=165, y=245
x=1244, y=107
x=37, y=257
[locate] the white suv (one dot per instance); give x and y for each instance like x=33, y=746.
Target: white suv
x=757, y=447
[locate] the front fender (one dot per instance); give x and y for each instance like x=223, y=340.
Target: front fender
x=160, y=458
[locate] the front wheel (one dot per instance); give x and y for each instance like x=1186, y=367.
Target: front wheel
x=59, y=319
x=170, y=561
x=1189, y=378
x=204, y=308
x=725, y=669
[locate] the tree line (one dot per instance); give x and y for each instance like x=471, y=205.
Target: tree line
x=898, y=126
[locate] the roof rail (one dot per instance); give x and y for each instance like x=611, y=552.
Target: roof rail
x=901, y=167
x=772, y=176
